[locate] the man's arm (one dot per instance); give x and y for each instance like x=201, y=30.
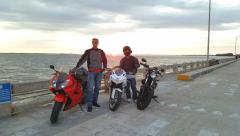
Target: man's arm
x=121, y=63
x=104, y=60
x=136, y=63
x=83, y=59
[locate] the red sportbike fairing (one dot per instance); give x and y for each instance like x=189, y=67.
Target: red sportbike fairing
x=68, y=92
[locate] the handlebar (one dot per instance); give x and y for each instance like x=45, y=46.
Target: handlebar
x=145, y=65
x=56, y=72
x=108, y=69
x=158, y=71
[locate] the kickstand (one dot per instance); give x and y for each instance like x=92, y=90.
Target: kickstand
x=155, y=98
x=80, y=105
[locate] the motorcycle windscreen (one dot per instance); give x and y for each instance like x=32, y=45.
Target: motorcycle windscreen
x=119, y=72
x=60, y=79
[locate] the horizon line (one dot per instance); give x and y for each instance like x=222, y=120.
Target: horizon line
x=112, y=54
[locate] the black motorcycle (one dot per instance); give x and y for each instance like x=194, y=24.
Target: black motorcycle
x=149, y=84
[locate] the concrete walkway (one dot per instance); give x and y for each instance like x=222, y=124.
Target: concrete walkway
x=206, y=106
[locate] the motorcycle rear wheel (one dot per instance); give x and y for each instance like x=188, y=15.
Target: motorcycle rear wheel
x=55, y=112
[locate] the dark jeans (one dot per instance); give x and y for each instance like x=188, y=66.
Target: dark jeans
x=131, y=83
x=94, y=84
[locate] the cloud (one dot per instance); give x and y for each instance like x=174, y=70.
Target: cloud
x=95, y=16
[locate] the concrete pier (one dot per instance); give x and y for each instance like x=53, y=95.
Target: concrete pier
x=206, y=106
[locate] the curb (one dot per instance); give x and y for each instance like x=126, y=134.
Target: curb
x=6, y=110
x=194, y=74
x=16, y=107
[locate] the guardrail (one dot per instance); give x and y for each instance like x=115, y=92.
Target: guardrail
x=185, y=67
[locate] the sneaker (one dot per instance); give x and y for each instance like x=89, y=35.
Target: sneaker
x=89, y=109
x=96, y=105
x=129, y=100
x=135, y=100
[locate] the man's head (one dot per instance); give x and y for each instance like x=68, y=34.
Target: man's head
x=95, y=42
x=127, y=50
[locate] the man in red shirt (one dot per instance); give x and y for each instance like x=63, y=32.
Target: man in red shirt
x=130, y=64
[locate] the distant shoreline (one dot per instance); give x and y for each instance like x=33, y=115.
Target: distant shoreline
x=110, y=54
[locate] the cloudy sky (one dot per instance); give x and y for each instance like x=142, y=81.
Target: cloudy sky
x=148, y=26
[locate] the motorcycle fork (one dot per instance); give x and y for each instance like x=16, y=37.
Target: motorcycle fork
x=113, y=93
x=69, y=101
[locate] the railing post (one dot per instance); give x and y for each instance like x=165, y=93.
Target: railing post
x=192, y=65
x=206, y=64
x=106, y=85
x=203, y=66
x=184, y=67
x=197, y=65
x=175, y=68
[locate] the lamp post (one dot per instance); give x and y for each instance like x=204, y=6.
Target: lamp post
x=236, y=44
x=209, y=23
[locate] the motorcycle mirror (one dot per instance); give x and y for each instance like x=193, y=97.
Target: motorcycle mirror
x=52, y=67
x=144, y=60
x=162, y=70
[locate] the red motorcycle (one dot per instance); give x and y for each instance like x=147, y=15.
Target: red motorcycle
x=68, y=90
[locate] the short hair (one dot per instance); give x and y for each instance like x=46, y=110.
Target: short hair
x=94, y=39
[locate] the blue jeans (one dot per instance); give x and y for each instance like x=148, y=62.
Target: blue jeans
x=94, y=84
x=131, y=83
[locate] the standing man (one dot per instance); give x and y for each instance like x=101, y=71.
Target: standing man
x=96, y=63
x=130, y=64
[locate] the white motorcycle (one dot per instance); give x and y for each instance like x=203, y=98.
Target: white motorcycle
x=117, y=86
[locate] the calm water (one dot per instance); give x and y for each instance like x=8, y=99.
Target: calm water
x=17, y=68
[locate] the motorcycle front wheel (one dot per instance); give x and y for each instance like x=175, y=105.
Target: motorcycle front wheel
x=55, y=112
x=144, y=97
x=114, y=100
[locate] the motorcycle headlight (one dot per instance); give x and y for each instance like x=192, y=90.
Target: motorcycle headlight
x=64, y=84
x=54, y=83
x=118, y=80
x=153, y=75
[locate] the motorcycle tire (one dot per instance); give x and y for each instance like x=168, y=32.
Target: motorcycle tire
x=144, y=97
x=115, y=103
x=55, y=112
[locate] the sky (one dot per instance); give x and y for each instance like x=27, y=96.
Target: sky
x=165, y=27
